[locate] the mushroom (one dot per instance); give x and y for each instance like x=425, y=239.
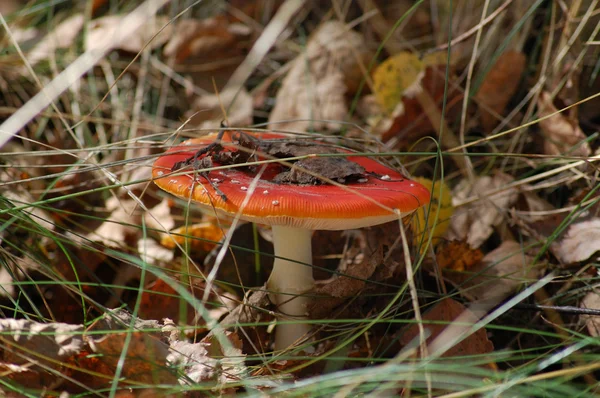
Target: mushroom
x=366, y=195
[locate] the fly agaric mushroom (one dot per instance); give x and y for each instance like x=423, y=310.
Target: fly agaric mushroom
x=293, y=200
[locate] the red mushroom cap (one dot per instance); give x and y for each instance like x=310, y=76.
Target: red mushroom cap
x=381, y=196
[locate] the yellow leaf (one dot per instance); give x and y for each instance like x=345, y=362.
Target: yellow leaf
x=395, y=77
x=435, y=58
x=440, y=211
x=203, y=236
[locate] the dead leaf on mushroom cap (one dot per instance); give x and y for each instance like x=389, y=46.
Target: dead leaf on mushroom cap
x=475, y=222
x=316, y=85
x=561, y=133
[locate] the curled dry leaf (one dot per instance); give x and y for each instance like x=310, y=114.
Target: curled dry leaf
x=500, y=273
x=536, y=208
x=15, y=269
x=436, y=319
x=105, y=33
x=561, y=133
x=476, y=221
x=120, y=319
x=319, y=79
x=579, y=243
x=193, y=37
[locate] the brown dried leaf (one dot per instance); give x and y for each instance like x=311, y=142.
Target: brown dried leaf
x=476, y=222
x=358, y=265
x=145, y=361
x=25, y=376
x=561, y=133
x=579, y=243
x=499, y=274
x=446, y=311
x=409, y=122
x=536, y=208
x=499, y=86
x=209, y=36
x=161, y=301
x=457, y=255
x=319, y=79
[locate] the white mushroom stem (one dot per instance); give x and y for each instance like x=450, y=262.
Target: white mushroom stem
x=292, y=276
